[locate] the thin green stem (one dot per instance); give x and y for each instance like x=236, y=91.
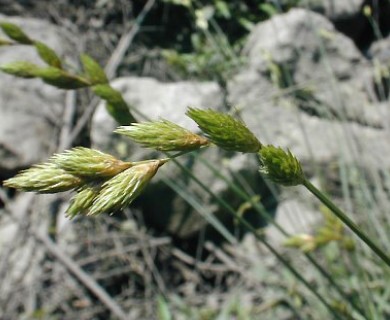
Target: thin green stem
x=179, y=154
x=176, y=155
x=344, y=218
x=286, y=263
x=252, y=230
x=264, y=214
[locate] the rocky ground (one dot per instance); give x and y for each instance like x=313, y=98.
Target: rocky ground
x=315, y=80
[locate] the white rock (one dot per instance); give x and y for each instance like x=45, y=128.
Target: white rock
x=31, y=111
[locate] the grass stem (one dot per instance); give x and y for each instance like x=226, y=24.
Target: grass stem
x=346, y=220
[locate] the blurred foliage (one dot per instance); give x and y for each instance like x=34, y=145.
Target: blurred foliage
x=332, y=230
x=211, y=37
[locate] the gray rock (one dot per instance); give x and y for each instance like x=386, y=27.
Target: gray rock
x=328, y=71
x=31, y=118
x=380, y=50
x=294, y=216
x=21, y=257
x=299, y=29
x=31, y=111
x=152, y=100
x=355, y=18
x=308, y=60
x=323, y=114
x=305, y=52
x=335, y=9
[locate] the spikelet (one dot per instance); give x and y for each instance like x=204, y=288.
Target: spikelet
x=121, y=190
x=44, y=178
x=163, y=135
x=89, y=163
x=225, y=131
x=280, y=166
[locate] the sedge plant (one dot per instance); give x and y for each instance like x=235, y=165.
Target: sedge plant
x=105, y=184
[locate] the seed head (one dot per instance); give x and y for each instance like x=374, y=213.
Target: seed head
x=121, y=190
x=225, y=131
x=61, y=79
x=15, y=33
x=93, y=70
x=115, y=104
x=83, y=200
x=22, y=69
x=44, y=178
x=163, y=135
x=89, y=163
x=48, y=55
x=280, y=166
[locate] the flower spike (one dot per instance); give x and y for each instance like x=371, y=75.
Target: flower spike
x=121, y=190
x=225, y=131
x=163, y=135
x=44, y=178
x=280, y=166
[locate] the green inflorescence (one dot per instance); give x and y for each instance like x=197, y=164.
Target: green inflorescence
x=163, y=135
x=280, y=166
x=225, y=131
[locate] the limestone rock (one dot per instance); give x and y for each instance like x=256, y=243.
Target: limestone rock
x=351, y=18
x=31, y=111
x=305, y=52
x=334, y=9
x=325, y=96
x=304, y=88
x=381, y=50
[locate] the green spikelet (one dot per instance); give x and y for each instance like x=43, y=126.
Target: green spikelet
x=280, y=166
x=122, y=189
x=93, y=71
x=115, y=104
x=89, y=163
x=48, y=55
x=22, y=69
x=44, y=178
x=163, y=135
x=15, y=33
x=83, y=200
x=61, y=79
x=225, y=131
